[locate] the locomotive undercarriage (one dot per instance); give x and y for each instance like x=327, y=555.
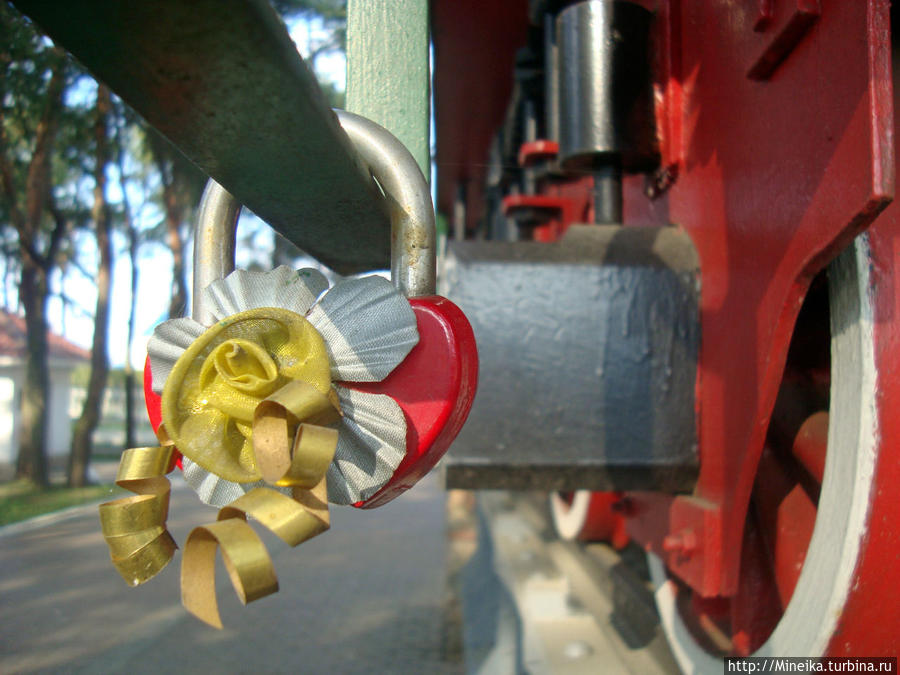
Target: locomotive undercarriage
x=763, y=132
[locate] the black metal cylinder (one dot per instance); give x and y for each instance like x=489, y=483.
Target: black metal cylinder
x=608, y=194
x=605, y=86
x=551, y=81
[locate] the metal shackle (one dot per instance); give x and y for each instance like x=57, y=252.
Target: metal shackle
x=409, y=205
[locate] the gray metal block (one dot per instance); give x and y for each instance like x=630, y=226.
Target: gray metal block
x=588, y=361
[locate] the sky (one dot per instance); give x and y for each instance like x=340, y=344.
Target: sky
x=155, y=261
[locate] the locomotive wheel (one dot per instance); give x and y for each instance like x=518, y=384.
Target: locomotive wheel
x=797, y=612
x=569, y=511
x=588, y=516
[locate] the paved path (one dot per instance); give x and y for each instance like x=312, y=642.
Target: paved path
x=367, y=596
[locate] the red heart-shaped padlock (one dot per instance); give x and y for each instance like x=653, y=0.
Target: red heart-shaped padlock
x=434, y=386
x=435, y=383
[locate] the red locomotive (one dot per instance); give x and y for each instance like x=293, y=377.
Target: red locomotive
x=763, y=130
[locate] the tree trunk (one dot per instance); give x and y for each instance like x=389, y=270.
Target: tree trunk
x=129, y=368
x=182, y=184
x=178, y=304
x=174, y=207
x=35, y=269
x=132, y=234
x=32, y=460
x=82, y=438
x=174, y=213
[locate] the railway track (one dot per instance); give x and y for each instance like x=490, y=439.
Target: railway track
x=531, y=603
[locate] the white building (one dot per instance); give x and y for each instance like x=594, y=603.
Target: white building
x=63, y=357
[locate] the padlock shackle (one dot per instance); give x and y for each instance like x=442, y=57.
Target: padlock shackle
x=413, y=243
x=413, y=246
x=214, y=244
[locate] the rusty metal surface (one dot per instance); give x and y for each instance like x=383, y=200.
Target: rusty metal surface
x=225, y=84
x=588, y=350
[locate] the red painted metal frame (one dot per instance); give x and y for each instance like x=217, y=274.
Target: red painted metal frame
x=774, y=178
x=604, y=522
x=475, y=44
x=537, y=151
x=564, y=201
x=769, y=198
x=551, y=215
x=802, y=17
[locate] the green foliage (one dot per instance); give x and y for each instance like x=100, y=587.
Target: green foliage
x=331, y=15
x=26, y=58
x=21, y=499
x=27, y=61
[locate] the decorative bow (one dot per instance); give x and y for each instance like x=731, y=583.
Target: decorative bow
x=250, y=400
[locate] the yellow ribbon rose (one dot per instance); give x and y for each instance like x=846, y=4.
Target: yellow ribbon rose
x=212, y=393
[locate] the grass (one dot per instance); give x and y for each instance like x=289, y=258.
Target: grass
x=21, y=499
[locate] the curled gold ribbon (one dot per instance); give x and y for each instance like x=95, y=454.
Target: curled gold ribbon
x=298, y=405
x=297, y=459
x=135, y=527
x=244, y=401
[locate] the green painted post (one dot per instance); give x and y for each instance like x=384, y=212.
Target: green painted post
x=387, y=69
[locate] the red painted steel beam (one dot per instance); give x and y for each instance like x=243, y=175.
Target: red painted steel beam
x=774, y=178
x=474, y=50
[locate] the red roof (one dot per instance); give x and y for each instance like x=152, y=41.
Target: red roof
x=12, y=340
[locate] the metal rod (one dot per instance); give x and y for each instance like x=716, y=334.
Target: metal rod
x=608, y=194
x=551, y=80
x=459, y=213
x=605, y=92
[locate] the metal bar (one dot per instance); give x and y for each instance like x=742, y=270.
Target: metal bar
x=388, y=79
x=608, y=194
x=551, y=80
x=224, y=83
